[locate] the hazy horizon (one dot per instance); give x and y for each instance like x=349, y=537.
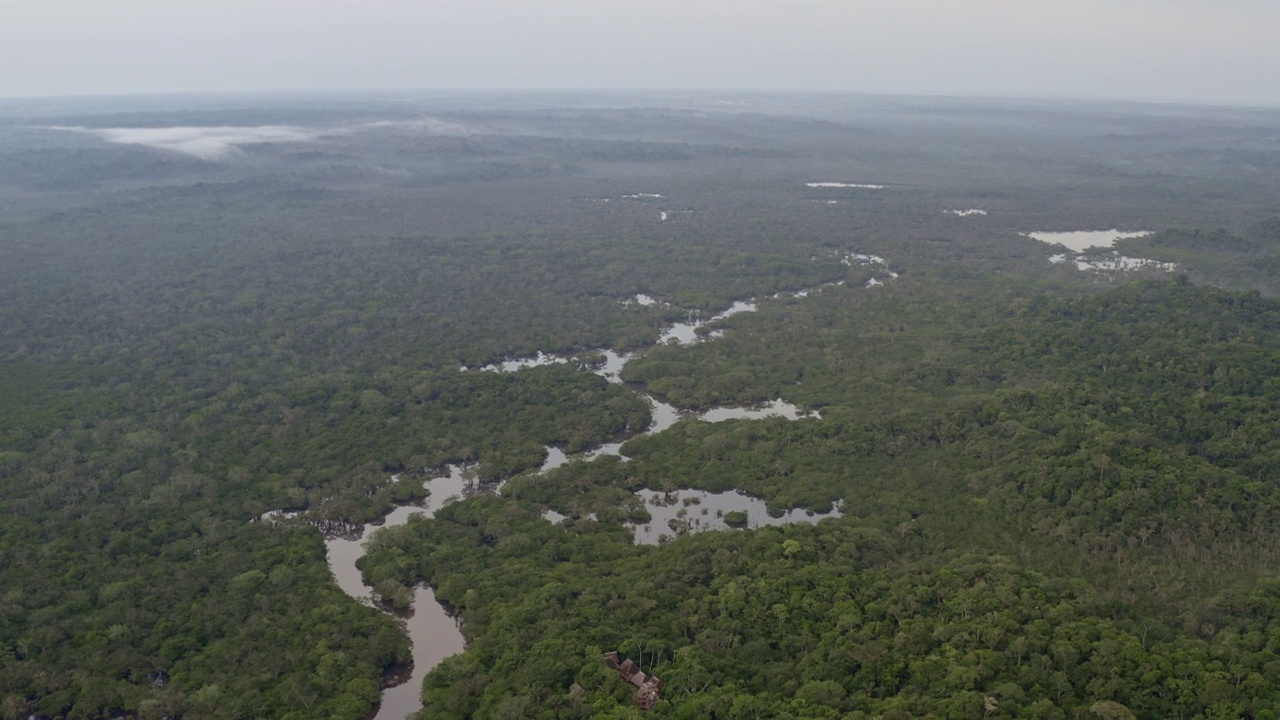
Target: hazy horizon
x=627, y=92
x=1187, y=51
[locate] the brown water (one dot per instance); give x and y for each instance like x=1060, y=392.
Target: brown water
x=665, y=415
x=1081, y=240
x=434, y=634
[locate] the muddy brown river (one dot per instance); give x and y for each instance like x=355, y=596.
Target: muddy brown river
x=434, y=634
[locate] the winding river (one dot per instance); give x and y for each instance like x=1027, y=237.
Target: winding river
x=435, y=635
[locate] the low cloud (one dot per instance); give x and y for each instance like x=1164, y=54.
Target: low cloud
x=206, y=143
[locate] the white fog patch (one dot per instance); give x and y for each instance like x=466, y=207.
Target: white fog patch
x=1082, y=240
x=1057, y=259
x=206, y=143
x=864, y=186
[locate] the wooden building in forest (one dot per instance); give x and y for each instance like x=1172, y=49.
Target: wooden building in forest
x=648, y=687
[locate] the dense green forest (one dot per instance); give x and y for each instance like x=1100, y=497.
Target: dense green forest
x=1065, y=505
x=1058, y=486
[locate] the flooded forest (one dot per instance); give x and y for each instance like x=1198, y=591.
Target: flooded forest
x=676, y=405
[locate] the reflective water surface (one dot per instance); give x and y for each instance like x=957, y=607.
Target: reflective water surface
x=1081, y=240
x=434, y=634
x=691, y=511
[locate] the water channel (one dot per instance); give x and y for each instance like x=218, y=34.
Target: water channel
x=435, y=635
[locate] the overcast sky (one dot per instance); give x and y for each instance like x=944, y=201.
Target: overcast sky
x=1199, y=50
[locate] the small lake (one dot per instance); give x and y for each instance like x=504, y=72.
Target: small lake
x=1112, y=262
x=1081, y=240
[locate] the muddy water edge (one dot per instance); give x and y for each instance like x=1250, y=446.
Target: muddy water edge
x=434, y=633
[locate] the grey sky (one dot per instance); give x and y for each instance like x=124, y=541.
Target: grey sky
x=1200, y=50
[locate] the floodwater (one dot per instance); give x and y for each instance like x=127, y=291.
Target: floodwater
x=1113, y=262
x=434, y=634
x=861, y=260
x=1120, y=263
x=555, y=458
x=773, y=408
x=685, y=512
x=518, y=364
x=665, y=415
x=687, y=333
x=691, y=511
x=1081, y=240
x=611, y=370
